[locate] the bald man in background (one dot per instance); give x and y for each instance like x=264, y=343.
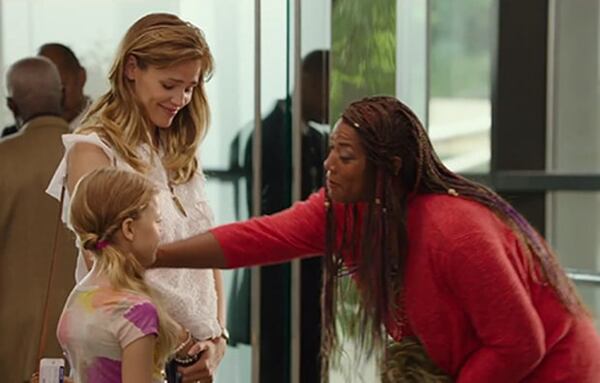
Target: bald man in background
x=29, y=218
x=73, y=78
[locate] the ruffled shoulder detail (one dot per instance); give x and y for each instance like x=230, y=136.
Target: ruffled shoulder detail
x=60, y=175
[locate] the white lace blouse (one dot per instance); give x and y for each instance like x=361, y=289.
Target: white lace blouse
x=190, y=295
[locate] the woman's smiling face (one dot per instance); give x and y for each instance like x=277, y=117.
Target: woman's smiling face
x=163, y=92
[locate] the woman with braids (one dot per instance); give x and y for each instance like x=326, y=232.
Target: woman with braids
x=151, y=121
x=447, y=269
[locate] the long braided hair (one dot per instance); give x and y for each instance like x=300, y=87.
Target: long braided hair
x=388, y=131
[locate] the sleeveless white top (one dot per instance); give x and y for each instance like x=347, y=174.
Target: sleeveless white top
x=190, y=295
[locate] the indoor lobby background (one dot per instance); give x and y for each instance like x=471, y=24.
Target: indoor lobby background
x=509, y=91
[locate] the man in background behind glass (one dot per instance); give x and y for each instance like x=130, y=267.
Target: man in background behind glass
x=73, y=77
x=276, y=195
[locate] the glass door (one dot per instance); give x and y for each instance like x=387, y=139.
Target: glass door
x=574, y=140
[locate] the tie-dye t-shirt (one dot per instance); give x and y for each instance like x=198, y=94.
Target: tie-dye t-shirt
x=96, y=324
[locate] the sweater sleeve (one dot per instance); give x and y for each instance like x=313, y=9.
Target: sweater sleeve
x=480, y=273
x=293, y=233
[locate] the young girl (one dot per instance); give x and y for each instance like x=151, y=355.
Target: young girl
x=113, y=328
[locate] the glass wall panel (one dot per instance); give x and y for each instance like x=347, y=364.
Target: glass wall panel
x=573, y=134
x=461, y=37
x=412, y=71
x=574, y=113
x=275, y=188
x=310, y=116
x=591, y=298
x=577, y=248
x=363, y=51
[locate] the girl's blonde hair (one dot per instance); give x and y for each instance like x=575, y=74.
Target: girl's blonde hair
x=101, y=201
x=160, y=40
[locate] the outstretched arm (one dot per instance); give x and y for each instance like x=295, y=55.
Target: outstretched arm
x=201, y=251
x=293, y=233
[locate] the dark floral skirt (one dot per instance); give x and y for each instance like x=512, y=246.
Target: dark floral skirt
x=407, y=362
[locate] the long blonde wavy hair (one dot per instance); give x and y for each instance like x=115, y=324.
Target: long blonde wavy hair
x=159, y=40
x=101, y=201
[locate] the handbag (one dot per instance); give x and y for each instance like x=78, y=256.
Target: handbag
x=171, y=373
x=407, y=362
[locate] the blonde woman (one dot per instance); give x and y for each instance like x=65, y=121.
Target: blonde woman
x=113, y=328
x=151, y=121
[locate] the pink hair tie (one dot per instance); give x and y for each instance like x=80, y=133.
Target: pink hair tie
x=101, y=245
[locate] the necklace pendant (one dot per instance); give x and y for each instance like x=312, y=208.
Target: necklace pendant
x=179, y=205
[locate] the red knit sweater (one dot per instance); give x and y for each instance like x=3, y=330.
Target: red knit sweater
x=468, y=299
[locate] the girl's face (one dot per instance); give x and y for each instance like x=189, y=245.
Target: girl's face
x=146, y=235
x=346, y=166
x=164, y=92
